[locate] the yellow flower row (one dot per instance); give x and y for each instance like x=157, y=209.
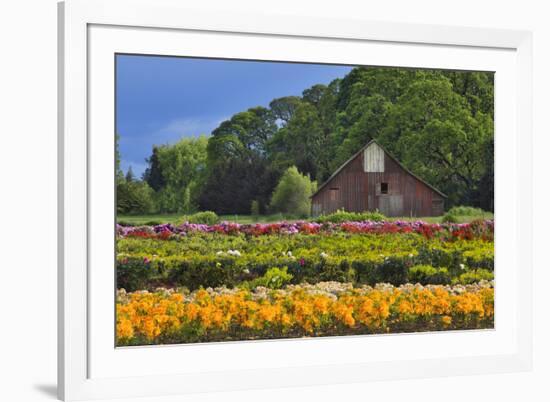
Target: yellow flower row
x=169, y=317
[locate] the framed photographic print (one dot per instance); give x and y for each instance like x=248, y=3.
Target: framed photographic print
x=264, y=201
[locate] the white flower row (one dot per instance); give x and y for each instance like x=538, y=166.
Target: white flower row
x=235, y=253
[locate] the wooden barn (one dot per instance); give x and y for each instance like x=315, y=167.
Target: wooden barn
x=373, y=180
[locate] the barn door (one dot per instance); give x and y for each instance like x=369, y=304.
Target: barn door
x=391, y=205
x=334, y=196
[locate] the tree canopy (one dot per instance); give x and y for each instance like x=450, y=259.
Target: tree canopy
x=438, y=123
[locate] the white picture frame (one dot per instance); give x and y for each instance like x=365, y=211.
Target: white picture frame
x=90, y=32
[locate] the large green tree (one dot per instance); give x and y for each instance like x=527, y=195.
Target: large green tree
x=177, y=173
x=238, y=167
x=305, y=138
x=153, y=173
x=292, y=194
x=135, y=197
x=434, y=132
x=283, y=108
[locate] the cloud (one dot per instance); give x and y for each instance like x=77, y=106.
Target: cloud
x=186, y=127
x=137, y=148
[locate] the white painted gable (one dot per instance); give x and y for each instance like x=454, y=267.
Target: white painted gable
x=373, y=159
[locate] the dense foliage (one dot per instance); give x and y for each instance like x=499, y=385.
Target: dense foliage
x=457, y=213
x=204, y=217
x=438, y=123
x=344, y=216
x=177, y=173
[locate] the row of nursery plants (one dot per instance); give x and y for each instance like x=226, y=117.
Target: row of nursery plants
x=211, y=259
x=328, y=308
x=480, y=229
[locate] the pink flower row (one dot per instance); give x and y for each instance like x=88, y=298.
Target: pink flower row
x=476, y=229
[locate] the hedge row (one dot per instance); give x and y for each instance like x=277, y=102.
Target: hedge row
x=212, y=260
x=277, y=249
x=134, y=274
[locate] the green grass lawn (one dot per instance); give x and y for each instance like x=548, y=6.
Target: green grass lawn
x=147, y=219
x=175, y=218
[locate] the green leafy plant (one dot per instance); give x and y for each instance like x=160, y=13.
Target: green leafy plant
x=462, y=210
x=134, y=273
x=343, y=216
x=474, y=277
x=205, y=217
x=391, y=270
x=449, y=218
x=274, y=278
x=426, y=274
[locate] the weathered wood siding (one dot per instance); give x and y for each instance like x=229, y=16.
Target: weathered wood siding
x=357, y=188
x=374, y=159
x=349, y=187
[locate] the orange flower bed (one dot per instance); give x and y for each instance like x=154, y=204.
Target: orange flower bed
x=167, y=316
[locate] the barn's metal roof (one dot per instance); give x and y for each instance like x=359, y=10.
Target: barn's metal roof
x=332, y=176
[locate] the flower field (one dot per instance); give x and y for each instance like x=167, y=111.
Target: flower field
x=201, y=283
x=480, y=228
x=328, y=308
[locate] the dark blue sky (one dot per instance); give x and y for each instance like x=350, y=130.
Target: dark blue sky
x=161, y=99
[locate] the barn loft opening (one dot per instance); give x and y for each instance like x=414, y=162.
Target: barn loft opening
x=383, y=188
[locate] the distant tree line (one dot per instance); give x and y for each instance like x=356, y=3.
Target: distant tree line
x=439, y=124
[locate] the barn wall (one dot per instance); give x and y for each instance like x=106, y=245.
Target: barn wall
x=359, y=191
x=351, y=196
